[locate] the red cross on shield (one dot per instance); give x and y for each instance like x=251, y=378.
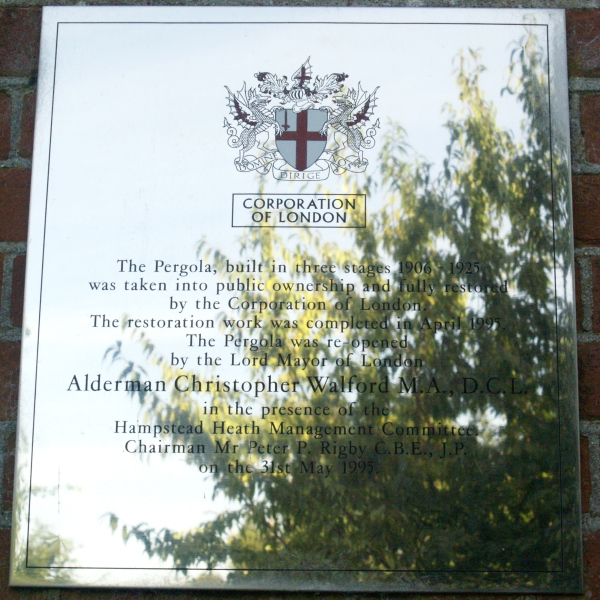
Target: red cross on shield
x=300, y=142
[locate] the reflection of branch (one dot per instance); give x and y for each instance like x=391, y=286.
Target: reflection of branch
x=185, y=549
x=133, y=372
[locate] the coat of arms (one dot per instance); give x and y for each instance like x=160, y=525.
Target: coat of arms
x=301, y=129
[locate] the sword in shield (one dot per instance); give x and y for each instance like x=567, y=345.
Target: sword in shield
x=300, y=142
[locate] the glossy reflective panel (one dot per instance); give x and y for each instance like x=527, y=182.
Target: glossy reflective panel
x=299, y=317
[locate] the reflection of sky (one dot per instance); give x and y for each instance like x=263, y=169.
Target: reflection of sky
x=138, y=492
x=141, y=170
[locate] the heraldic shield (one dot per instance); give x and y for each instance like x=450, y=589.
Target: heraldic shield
x=300, y=142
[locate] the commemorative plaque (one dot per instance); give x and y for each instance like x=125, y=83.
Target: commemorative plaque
x=299, y=307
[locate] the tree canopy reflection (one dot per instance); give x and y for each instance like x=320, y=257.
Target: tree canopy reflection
x=495, y=506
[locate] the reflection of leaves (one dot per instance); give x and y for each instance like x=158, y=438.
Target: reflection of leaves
x=51, y=549
x=206, y=544
x=114, y=350
x=134, y=372
x=493, y=510
x=45, y=556
x=125, y=372
x=113, y=521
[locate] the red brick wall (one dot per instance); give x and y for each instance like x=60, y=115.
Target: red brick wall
x=583, y=38
x=19, y=36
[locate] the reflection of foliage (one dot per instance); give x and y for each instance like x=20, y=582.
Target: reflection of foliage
x=495, y=508
x=46, y=555
x=52, y=551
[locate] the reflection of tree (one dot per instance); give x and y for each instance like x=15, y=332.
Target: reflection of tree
x=44, y=557
x=52, y=551
x=497, y=506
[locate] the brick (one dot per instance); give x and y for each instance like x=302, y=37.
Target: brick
x=586, y=474
x=596, y=294
x=583, y=42
x=14, y=204
x=99, y=594
x=589, y=380
x=10, y=356
x=17, y=291
x=19, y=41
x=1, y=271
x=27, y=125
x=591, y=564
x=82, y=594
x=5, y=118
x=8, y=480
x=578, y=297
x=586, y=209
x=590, y=127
